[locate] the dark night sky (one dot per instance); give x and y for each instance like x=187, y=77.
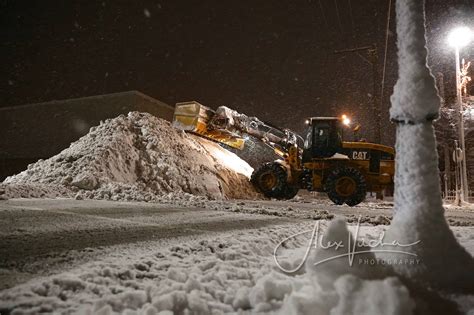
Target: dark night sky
x=272, y=59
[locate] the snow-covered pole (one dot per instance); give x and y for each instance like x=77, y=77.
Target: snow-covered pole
x=464, y=185
x=418, y=206
x=458, y=38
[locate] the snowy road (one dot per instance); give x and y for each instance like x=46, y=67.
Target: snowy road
x=49, y=230
x=41, y=236
x=373, y=212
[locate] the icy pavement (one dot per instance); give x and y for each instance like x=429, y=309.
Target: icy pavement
x=102, y=257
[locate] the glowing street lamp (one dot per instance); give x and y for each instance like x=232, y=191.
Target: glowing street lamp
x=459, y=38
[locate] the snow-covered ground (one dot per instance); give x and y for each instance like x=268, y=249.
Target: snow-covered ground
x=147, y=258
x=221, y=273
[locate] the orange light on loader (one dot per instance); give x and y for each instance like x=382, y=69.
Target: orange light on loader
x=346, y=120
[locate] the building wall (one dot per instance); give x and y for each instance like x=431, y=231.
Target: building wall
x=35, y=131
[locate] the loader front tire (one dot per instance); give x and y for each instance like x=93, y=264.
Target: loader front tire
x=271, y=180
x=291, y=191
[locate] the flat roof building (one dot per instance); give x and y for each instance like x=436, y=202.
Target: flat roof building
x=38, y=131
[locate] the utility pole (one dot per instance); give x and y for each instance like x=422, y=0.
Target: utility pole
x=374, y=57
x=372, y=53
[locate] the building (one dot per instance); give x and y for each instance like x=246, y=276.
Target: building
x=38, y=131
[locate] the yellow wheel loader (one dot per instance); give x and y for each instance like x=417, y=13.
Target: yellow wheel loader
x=319, y=161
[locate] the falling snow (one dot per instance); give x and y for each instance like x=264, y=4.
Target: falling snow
x=147, y=13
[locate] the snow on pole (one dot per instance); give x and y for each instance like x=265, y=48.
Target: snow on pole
x=415, y=98
x=418, y=208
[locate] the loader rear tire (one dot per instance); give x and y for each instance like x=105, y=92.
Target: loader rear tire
x=346, y=185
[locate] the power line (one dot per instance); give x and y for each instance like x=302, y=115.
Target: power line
x=386, y=49
x=338, y=17
x=324, y=15
x=352, y=18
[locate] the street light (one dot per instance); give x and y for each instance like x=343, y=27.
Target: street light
x=459, y=38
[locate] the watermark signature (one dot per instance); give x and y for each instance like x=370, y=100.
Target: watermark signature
x=375, y=246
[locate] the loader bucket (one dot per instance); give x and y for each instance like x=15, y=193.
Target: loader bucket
x=194, y=117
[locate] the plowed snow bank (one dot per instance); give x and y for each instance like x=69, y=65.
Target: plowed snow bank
x=136, y=157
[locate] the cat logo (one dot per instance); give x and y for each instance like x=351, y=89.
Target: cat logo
x=359, y=155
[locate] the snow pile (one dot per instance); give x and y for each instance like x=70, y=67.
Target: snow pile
x=136, y=157
x=351, y=295
x=336, y=287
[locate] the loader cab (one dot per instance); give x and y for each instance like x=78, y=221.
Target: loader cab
x=323, y=137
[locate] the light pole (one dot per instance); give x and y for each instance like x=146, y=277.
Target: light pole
x=459, y=38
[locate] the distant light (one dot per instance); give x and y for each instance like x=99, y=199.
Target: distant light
x=307, y=122
x=460, y=37
x=345, y=120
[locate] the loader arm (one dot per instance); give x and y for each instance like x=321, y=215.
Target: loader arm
x=227, y=126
